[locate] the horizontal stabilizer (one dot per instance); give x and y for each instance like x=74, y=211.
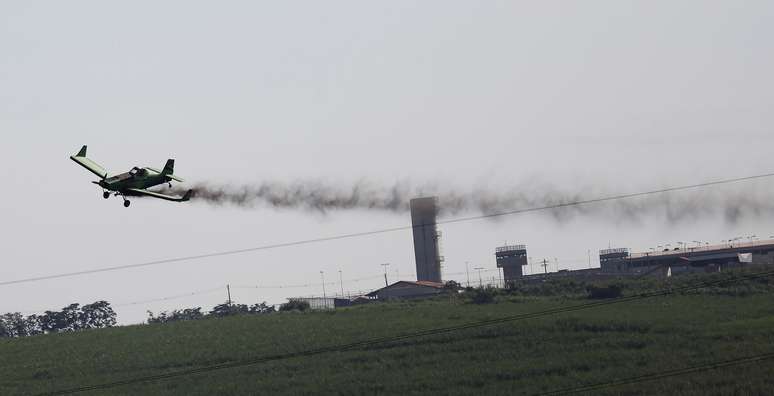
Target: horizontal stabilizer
x=140, y=193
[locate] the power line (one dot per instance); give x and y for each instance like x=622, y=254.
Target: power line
x=167, y=298
x=381, y=231
x=175, y=297
x=303, y=285
x=415, y=334
x=663, y=374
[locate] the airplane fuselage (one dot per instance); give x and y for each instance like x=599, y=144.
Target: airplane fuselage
x=138, y=178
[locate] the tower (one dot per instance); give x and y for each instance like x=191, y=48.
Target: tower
x=423, y=220
x=511, y=258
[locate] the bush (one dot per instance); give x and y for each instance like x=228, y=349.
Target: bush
x=452, y=287
x=612, y=291
x=295, y=305
x=483, y=295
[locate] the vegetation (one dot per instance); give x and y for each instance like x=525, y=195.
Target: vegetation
x=483, y=295
x=610, y=341
x=221, y=310
x=295, y=305
x=71, y=318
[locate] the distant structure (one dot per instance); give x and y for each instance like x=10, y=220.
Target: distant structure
x=706, y=258
x=511, y=258
x=614, y=260
x=321, y=303
x=407, y=290
x=423, y=219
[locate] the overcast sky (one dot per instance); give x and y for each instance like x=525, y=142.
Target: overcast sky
x=587, y=97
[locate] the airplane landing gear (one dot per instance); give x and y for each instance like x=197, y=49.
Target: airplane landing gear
x=106, y=194
x=127, y=203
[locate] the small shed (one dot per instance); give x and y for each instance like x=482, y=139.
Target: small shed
x=407, y=290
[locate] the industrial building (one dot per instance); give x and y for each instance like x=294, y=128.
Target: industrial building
x=407, y=290
x=708, y=258
x=620, y=262
x=512, y=259
x=424, y=212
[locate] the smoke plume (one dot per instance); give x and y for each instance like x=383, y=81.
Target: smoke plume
x=732, y=204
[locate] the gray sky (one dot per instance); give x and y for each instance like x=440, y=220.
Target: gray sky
x=599, y=96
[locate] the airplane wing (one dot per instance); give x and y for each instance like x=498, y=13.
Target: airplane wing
x=141, y=192
x=92, y=166
x=173, y=177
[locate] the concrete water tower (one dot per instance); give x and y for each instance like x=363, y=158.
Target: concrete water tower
x=423, y=220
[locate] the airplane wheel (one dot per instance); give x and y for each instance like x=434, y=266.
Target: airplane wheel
x=106, y=195
x=127, y=203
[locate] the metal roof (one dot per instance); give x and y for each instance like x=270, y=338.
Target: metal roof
x=709, y=257
x=434, y=285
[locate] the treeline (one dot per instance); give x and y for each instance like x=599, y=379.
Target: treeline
x=71, y=318
x=225, y=309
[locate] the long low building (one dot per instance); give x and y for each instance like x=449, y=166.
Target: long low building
x=707, y=258
x=407, y=290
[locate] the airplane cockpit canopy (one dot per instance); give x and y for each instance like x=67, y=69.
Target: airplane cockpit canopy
x=137, y=171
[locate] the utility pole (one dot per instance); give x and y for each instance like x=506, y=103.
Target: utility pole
x=480, y=282
x=322, y=276
x=385, y=273
x=228, y=292
x=545, y=266
x=467, y=272
x=341, y=283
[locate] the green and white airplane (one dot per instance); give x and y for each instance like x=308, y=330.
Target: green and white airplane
x=133, y=183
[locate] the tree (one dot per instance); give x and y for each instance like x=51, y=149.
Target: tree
x=32, y=325
x=262, y=308
x=5, y=332
x=69, y=318
x=176, y=315
x=295, y=305
x=227, y=309
x=96, y=316
x=14, y=324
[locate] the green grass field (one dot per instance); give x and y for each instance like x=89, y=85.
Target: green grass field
x=530, y=356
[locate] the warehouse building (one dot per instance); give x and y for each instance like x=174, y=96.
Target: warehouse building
x=407, y=290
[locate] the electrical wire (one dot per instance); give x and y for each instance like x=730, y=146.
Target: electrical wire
x=381, y=231
x=167, y=298
x=415, y=334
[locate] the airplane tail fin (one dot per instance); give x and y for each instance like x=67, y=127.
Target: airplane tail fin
x=169, y=167
x=81, y=153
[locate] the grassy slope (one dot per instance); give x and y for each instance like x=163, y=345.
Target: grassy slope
x=522, y=357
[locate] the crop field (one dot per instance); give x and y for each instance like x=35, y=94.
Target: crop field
x=547, y=353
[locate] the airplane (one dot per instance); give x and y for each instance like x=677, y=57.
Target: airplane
x=133, y=183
